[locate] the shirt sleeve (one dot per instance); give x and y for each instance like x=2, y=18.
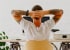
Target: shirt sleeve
x=50, y=23
x=24, y=23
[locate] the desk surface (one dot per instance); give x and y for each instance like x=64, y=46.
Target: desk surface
x=14, y=40
x=60, y=40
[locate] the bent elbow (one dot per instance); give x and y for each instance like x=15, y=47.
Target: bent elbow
x=61, y=12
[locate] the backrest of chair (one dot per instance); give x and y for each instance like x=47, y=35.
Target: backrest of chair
x=28, y=18
x=45, y=18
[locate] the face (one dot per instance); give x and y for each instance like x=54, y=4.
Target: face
x=36, y=16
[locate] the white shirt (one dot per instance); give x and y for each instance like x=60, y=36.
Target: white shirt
x=34, y=33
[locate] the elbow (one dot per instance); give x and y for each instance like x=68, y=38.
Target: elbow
x=12, y=11
x=60, y=12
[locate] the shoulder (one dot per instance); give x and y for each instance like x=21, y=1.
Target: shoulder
x=23, y=20
x=50, y=22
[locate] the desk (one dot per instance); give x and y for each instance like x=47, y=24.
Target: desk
x=51, y=40
x=54, y=40
x=14, y=40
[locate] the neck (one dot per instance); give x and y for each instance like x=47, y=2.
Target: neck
x=37, y=23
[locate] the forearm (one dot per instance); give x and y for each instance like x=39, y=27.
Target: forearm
x=56, y=11
x=53, y=12
x=19, y=12
x=57, y=14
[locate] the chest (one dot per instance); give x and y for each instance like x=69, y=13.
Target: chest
x=41, y=28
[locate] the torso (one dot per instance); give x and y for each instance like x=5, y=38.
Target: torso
x=35, y=33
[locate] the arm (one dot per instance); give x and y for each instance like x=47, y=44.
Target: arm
x=56, y=12
x=17, y=14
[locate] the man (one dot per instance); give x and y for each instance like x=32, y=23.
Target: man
x=37, y=33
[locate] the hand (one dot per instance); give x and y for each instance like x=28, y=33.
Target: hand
x=38, y=13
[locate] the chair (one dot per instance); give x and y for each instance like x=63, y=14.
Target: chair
x=15, y=46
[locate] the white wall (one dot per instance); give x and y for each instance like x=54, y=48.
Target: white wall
x=9, y=25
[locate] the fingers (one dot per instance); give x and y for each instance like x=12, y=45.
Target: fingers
x=37, y=13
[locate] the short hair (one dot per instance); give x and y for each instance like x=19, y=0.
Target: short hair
x=37, y=7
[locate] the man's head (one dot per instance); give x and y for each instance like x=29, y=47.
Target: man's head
x=37, y=7
x=37, y=15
